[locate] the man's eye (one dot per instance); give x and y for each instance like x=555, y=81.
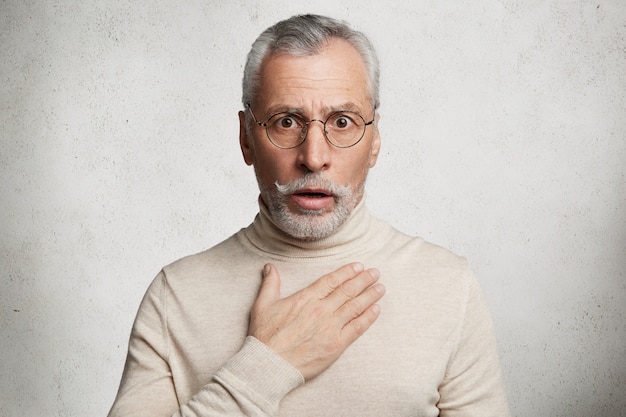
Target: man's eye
x=342, y=122
x=287, y=122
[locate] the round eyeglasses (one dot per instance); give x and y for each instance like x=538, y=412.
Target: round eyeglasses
x=342, y=129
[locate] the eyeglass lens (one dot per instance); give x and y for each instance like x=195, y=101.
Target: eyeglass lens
x=342, y=129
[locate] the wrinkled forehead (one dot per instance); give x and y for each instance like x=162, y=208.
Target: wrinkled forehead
x=336, y=74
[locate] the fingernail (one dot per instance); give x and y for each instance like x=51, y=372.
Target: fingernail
x=375, y=273
x=266, y=269
x=358, y=267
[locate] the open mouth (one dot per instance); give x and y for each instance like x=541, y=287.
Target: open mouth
x=313, y=199
x=313, y=194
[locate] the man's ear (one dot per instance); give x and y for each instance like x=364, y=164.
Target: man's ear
x=244, y=141
x=375, y=149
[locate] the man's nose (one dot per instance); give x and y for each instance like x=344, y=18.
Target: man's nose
x=315, y=152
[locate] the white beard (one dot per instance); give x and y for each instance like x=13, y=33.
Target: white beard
x=310, y=224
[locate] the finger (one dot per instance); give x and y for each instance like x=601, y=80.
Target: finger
x=269, y=292
x=356, y=327
x=353, y=308
x=327, y=284
x=355, y=286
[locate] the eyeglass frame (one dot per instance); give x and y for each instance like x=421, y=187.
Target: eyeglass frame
x=305, y=128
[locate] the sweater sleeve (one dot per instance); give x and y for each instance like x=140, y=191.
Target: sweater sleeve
x=251, y=383
x=473, y=383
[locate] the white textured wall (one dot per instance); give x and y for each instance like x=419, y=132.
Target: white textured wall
x=504, y=139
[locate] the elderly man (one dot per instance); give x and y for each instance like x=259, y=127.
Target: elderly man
x=316, y=308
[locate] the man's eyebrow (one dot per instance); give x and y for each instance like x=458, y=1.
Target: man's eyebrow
x=283, y=108
x=348, y=106
x=327, y=110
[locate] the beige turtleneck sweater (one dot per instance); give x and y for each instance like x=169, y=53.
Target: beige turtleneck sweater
x=431, y=352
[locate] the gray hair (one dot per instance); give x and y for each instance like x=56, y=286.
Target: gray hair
x=306, y=35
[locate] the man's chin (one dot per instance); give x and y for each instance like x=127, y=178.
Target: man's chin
x=308, y=224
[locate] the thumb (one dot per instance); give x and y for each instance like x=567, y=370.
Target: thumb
x=269, y=292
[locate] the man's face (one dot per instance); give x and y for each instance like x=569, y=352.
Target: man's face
x=329, y=181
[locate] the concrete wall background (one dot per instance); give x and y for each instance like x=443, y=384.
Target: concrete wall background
x=504, y=138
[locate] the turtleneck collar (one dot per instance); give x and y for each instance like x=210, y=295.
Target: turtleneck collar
x=357, y=230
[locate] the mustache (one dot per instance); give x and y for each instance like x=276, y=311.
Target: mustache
x=313, y=180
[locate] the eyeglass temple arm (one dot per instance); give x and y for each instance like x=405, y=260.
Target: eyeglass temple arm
x=254, y=117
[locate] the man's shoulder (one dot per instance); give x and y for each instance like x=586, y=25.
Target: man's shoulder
x=224, y=254
x=436, y=254
x=422, y=250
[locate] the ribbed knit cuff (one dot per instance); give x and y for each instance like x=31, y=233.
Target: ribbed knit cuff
x=260, y=374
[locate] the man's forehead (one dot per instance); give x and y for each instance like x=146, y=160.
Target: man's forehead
x=334, y=78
